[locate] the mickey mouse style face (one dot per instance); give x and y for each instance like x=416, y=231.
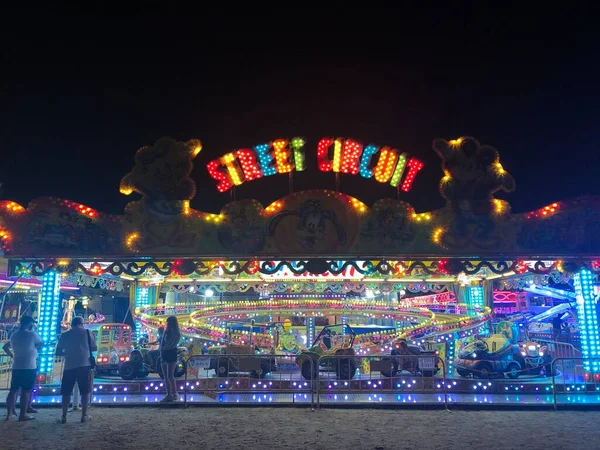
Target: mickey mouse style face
x=468, y=164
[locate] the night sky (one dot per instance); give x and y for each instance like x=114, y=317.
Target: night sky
x=78, y=101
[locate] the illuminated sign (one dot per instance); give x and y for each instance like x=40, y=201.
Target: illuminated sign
x=339, y=155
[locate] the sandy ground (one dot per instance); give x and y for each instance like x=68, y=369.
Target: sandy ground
x=295, y=428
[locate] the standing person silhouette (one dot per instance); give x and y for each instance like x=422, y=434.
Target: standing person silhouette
x=168, y=357
x=23, y=348
x=76, y=345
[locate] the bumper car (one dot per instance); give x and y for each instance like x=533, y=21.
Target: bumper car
x=489, y=358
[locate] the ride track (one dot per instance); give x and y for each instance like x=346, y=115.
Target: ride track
x=195, y=318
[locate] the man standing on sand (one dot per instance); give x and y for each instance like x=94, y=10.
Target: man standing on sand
x=25, y=343
x=76, y=345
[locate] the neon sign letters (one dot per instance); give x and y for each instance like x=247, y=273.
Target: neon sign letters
x=338, y=155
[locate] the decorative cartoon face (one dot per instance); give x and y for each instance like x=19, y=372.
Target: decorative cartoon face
x=388, y=227
x=472, y=171
x=464, y=205
x=466, y=164
x=387, y=218
x=162, y=171
x=240, y=220
x=315, y=224
x=163, y=210
x=243, y=227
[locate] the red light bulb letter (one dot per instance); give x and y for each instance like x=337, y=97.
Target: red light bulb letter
x=351, y=156
x=414, y=165
x=322, y=154
x=247, y=159
x=218, y=173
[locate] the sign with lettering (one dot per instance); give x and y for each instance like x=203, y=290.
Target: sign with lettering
x=427, y=363
x=339, y=155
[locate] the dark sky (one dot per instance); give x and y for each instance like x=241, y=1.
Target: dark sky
x=77, y=101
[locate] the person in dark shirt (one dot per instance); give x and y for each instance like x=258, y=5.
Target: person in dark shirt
x=168, y=356
x=76, y=345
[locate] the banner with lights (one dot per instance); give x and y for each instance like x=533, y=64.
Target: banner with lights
x=161, y=223
x=338, y=155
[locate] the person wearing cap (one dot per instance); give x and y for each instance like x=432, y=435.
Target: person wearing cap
x=23, y=348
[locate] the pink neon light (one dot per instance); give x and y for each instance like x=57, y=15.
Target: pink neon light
x=37, y=285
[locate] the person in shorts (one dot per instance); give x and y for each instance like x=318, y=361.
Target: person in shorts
x=76, y=345
x=168, y=357
x=23, y=348
x=76, y=404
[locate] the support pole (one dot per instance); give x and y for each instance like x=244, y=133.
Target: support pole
x=48, y=320
x=139, y=296
x=588, y=320
x=310, y=331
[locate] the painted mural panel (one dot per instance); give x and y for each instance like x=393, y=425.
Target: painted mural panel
x=313, y=222
x=243, y=228
x=55, y=226
x=390, y=226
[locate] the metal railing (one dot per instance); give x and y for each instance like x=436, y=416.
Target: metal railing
x=170, y=310
x=381, y=375
x=5, y=361
x=5, y=371
x=576, y=377
x=311, y=380
x=221, y=376
x=560, y=349
x=247, y=374
x=51, y=378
